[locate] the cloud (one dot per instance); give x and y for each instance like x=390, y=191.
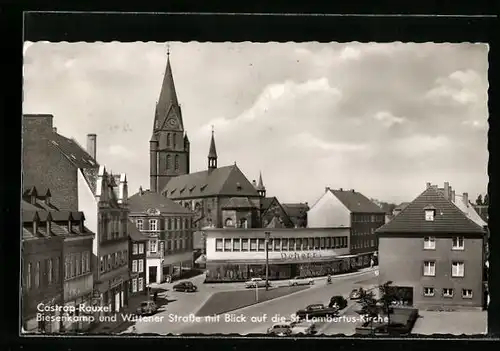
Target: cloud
x=459, y=86
x=387, y=118
x=120, y=151
x=310, y=141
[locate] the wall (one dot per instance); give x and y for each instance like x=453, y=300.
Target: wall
x=83, y=284
x=363, y=227
x=401, y=261
x=328, y=212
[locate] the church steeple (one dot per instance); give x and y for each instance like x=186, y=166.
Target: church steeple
x=169, y=145
x=212, y=153
x=168, y=105
x=261, y=189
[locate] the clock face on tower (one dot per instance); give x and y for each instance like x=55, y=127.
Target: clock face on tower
x=172, y=122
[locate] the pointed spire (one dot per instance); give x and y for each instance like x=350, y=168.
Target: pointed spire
x=261, y=189
x=212, y=153
x=168, y=96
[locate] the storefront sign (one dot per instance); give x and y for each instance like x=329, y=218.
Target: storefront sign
x=299, y=255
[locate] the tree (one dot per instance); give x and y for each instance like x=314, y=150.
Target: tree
x=486, y=200
x=479, y=200
x=370, y=307
x=388, y=295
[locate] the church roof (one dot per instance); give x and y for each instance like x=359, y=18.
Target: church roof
x=223, y=181
x=448, y=219
x=275, y=223
x=261, y=186
x=145, y=200
x=237, y=203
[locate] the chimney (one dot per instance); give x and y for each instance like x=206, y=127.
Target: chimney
x=352, y=190
x=341, y=189
x=91, y=145
x=254, y=183
x=428, y=185
x=54, y=130
x=447, y=190
x=327, y=189
x=140, y=190
x=452, y=195
x=465, y=197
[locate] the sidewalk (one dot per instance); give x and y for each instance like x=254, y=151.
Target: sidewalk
x=131, y=308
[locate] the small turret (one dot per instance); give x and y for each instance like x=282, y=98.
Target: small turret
x=212, y=153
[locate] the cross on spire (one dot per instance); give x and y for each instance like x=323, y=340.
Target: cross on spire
x=212, y=129
x=168, y=49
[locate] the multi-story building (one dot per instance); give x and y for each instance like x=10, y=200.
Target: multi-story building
x=67, y=244
x=137, y=260
x=350, y=209
x=169, y=228
x=433, y=251
x=238, y=254
x=57, y=162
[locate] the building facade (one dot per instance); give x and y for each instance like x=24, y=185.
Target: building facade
x=433, y=252
x=237, y=254
x=137, y=261
x=350, y=209
x=169, y=228
x=69, y=268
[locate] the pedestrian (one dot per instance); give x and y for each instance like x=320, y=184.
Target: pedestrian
x=372, y=263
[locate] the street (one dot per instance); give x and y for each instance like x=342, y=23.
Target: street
x=256, y=318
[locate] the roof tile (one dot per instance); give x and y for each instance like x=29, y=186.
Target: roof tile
x=356, y=202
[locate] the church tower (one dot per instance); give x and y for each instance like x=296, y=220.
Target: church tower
x=169, y=144
x=261, y=189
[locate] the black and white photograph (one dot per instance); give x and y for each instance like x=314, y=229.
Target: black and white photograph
x=282, y=189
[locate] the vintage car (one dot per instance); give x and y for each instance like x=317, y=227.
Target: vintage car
x=300, y=281
x=147, y=308
x=280, y=329
x=256, y=283
x=356, y=294
x=185, y=287
x=317, y=310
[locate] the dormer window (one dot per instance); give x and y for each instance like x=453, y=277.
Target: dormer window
x=238, y=186
x=430, y=213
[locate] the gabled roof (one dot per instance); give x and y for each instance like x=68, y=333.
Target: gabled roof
x=275, y=223
x=295, y=210
x=356, y=202
x=223, y=181
x=448, y=218
x=145, y=200
x=237, y=203
x=134, y=233
x=73, y=151
x=266, y=202
x=401, y=206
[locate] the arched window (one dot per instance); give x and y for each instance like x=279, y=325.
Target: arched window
x=228, y=222
x=168, y=139
x=174, y=139
x=168, y=162
x=176, y=162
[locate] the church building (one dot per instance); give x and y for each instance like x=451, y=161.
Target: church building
x=219, y=196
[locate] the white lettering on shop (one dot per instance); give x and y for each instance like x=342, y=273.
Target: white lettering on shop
x=299, y=256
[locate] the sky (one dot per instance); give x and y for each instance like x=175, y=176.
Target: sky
x=382, y=119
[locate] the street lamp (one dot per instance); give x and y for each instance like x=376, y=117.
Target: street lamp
x=267, y=234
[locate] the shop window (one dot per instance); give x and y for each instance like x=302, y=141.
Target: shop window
x=305, y=244
x=244, y=244
x=284, y=244
x=310, y=243
x=227, y=244
x=261, y=244
x=327, y=242
x=277, y=244
x=218, y=245
x=253, y=244
x=322, y=243
x=316, y=243
x=236, y=245
x=291, y=244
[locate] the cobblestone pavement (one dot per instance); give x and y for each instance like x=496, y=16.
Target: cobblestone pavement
x=457, y=323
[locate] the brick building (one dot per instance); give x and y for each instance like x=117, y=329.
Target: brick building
x=56, y=255
x=349, y=208
x=433, y=251
x=57, y=162
x=169, y=228
x=137, y=261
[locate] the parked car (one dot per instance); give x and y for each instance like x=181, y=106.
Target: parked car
x=300, y=281
x=338, y=301
x=355, y=294
x=316, y=310
x=303, y=327
x=185, y=287
x=147, y=308
x=280, y=329
x=256, y=283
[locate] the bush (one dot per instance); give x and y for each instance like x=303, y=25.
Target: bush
x=339, y=300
